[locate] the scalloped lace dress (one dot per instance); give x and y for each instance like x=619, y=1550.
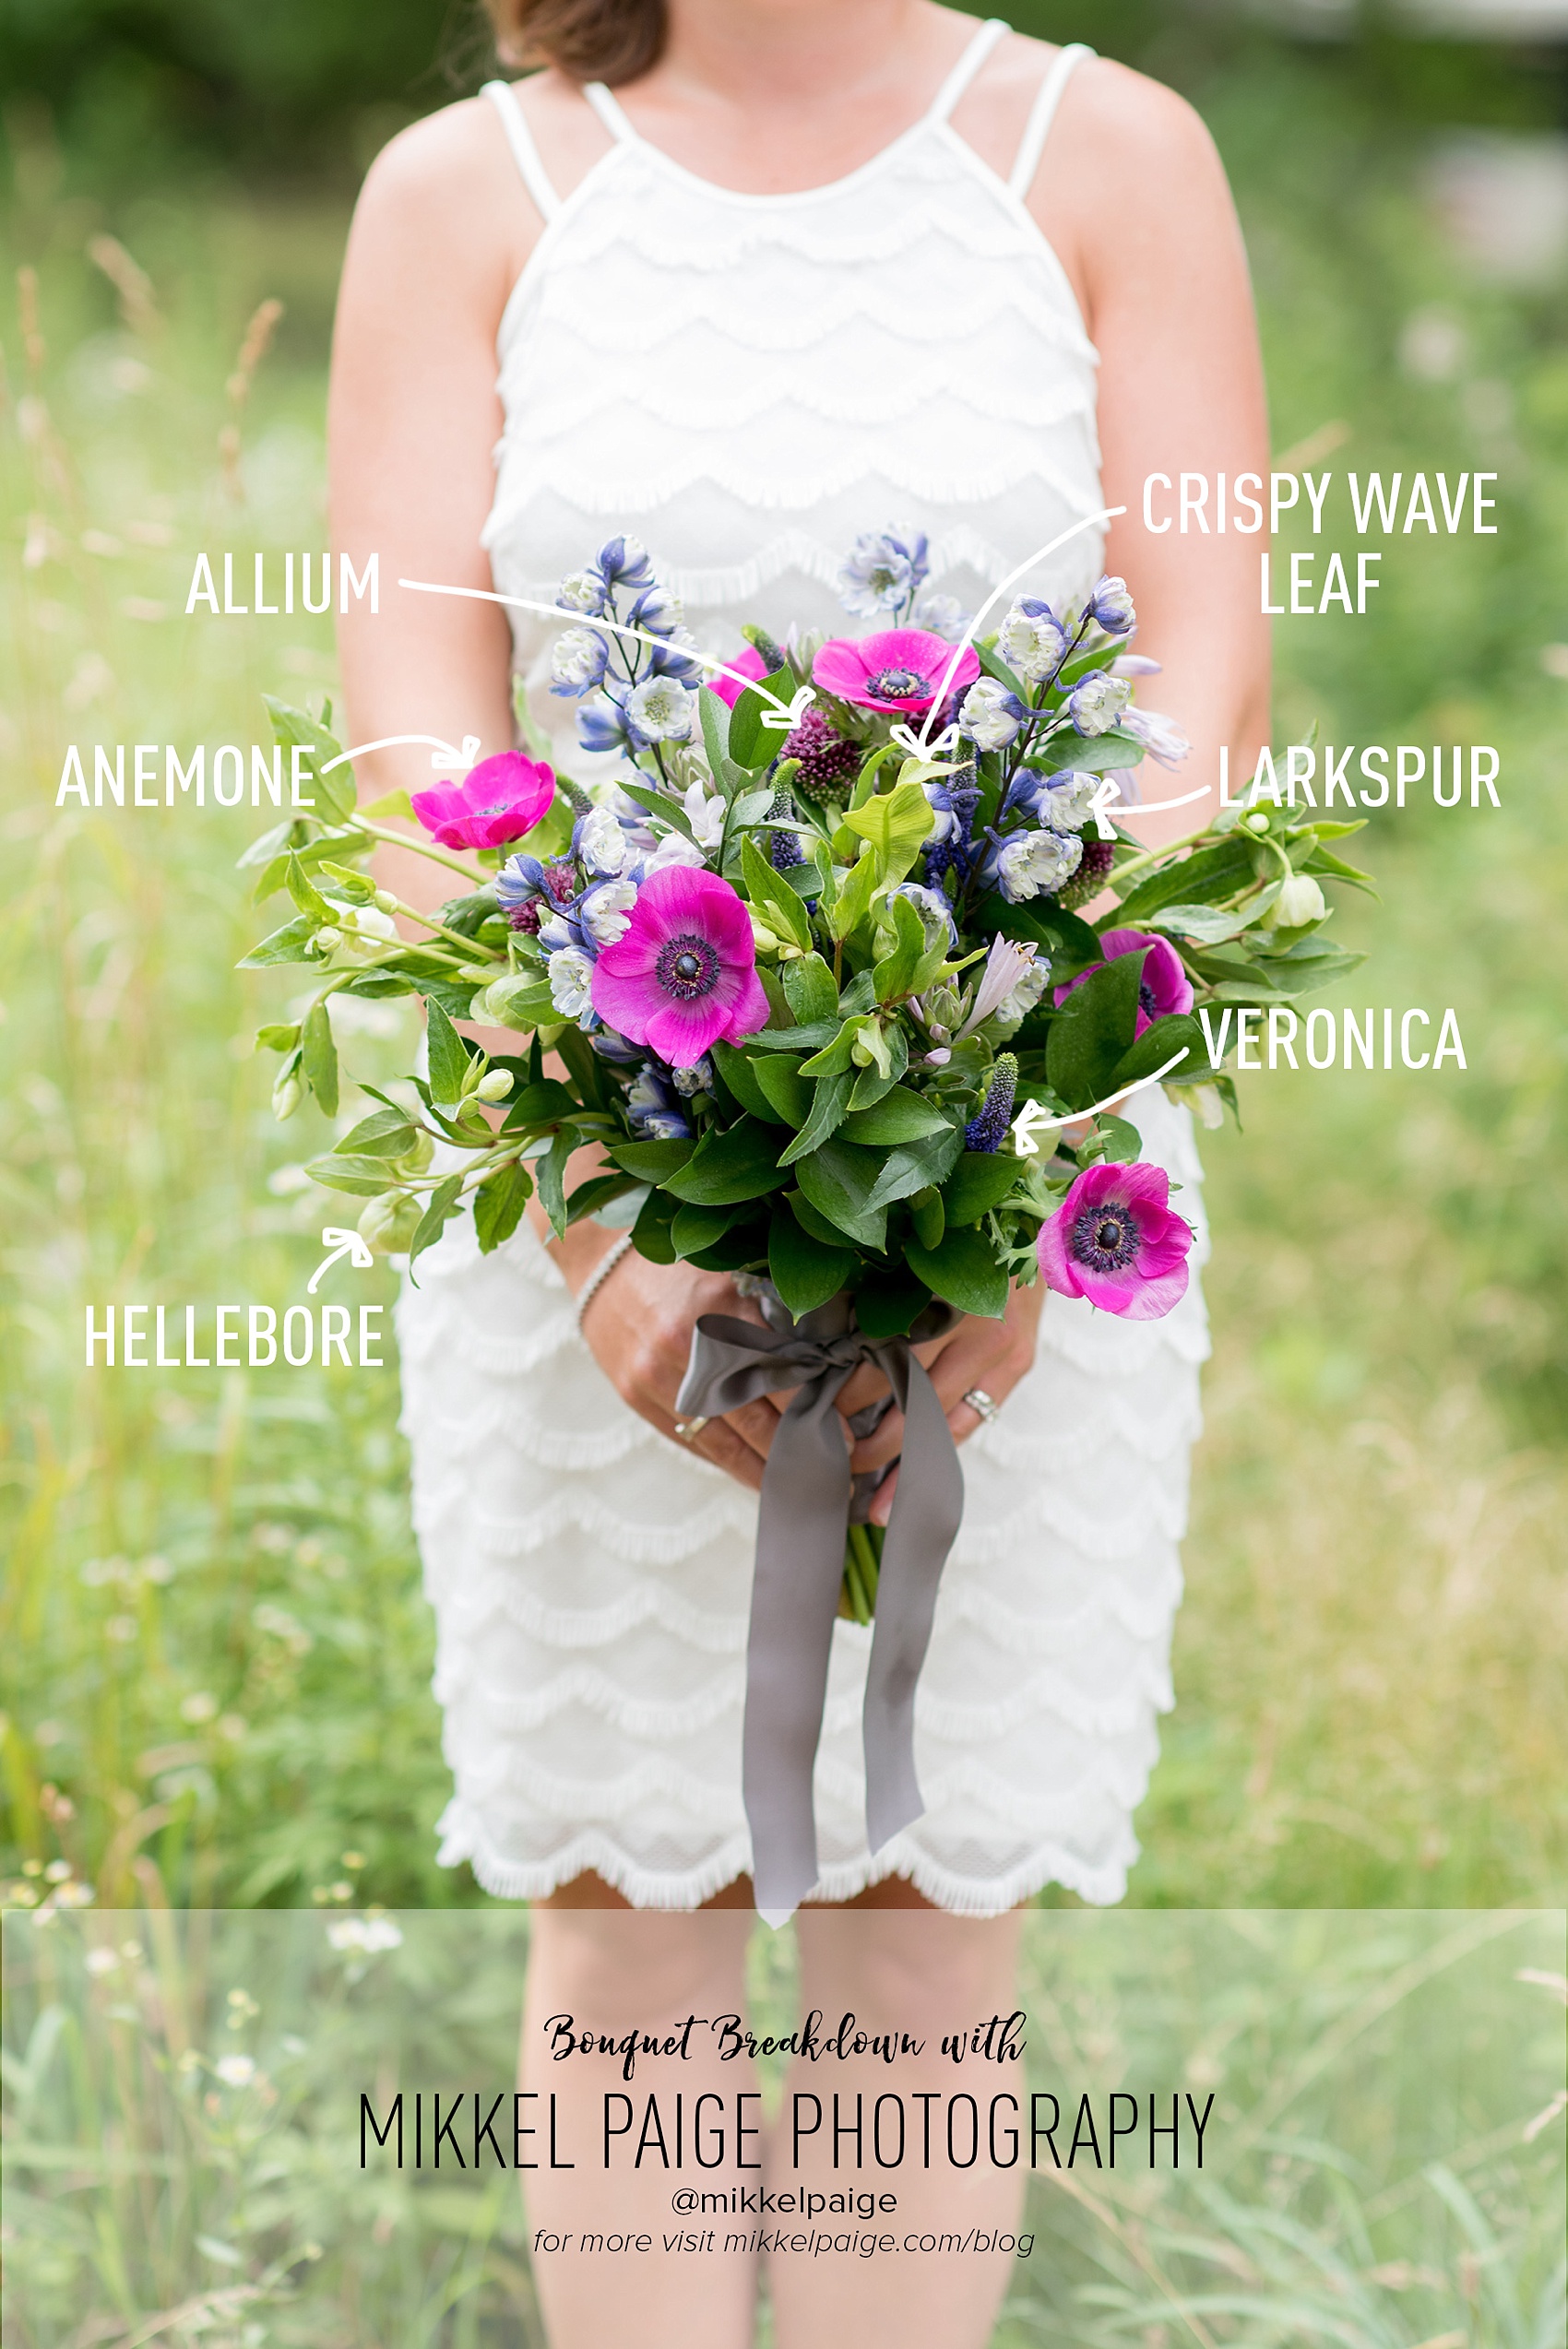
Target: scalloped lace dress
x=747, y=382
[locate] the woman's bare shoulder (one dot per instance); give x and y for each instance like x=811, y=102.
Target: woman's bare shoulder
x=443, y=203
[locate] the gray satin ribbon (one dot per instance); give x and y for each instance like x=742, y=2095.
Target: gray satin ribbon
x=809, y=1498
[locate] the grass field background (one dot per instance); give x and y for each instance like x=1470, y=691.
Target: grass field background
x=214, y=1658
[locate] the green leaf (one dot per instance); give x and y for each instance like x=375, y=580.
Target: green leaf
x=713, y=711
x=775, y=901
x=651, y=1161
x=650, y=1233
x=744, y=1078
x=726, y=1168
x=449, y=1056
x=334, y=793
x=836, y=1056
x=396, y=803
x=1162, y=1037
x=319, y=1057
x=830, y=1097
x=745, y=1242
x=597, y=1192
x=853, y=903
x=886, y=1302
x=273, y=846
x=980, y=1180
x=913, y=1165
x=929, y=1215
x=899, y=1115
x=837, y=1180
x=752, y=743
x=964, y=1271
x=545, y=1102
x=386, y=1134
x=1088, y=754
x=804, y=1271
x=808, y=984
x=894, y=976
x=1093, y=1031
x=660, y=803
x=290, y=944
x=433, y=1223
x=786, y=1091
x=896, y=824
x=1120, y=1142
x=498, y=1205
x=276, y=1038
x=365, y=1176
x=696, y=1227
x=1198, y=880
x=551, y=1172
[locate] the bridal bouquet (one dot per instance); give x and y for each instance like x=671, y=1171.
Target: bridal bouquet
x=843, y=965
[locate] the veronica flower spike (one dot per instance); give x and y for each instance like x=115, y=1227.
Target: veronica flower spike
x=683, y=975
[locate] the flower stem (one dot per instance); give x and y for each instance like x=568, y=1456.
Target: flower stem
x=420, y=848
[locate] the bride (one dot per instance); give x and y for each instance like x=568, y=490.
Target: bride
x=750, y=279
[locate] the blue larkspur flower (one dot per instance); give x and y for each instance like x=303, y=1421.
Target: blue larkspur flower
x=881, y=571
x=624, y=562
x=953, y=800
x=932, y=908
x=653, y=1107
x=1097, y=702
x=1111, y=606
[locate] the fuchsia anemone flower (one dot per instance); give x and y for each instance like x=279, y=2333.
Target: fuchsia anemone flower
x=1115, y=1242
x=899, y=671
x=749, y=663
x=498, y=801
x=683, y=977
x=1163, y=984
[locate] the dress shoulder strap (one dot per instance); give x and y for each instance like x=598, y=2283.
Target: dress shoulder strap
x=975, y=54
x=1042, y=113
x=610, y=112
x=525, y=154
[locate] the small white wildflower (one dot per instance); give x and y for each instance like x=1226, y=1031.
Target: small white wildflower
x=235, y=2072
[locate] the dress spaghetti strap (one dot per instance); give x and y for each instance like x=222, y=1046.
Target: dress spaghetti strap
x=610, y=112
x=1042, y=113
x=525, y=154
x=976, y=52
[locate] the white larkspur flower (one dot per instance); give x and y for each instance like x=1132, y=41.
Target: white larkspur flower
x=606, y=912
x=577, y=659
x=1032, y=863
x=571, y=983
x=661, y=710
x=1067, y=802
x=581, y=591
x=674, y=849
x=706, y=815
x=602, y=844
x=944, y=615
x=1159, y=735
x=935, y=912
x=992, y=715
x=879, y=571
x=1097, y=702
x=1031, y=640
x=1026, y=992
x=697, y=1079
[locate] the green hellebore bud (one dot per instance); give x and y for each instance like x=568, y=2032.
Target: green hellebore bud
x=287, y=1094
x=503, y=1002
x=495, y=1085
x=389, y=1223
x=419, y=1155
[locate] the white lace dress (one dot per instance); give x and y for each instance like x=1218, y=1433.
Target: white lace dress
x=747, y=382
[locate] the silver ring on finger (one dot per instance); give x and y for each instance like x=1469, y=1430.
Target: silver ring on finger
x=688, y=1431
x=977, y=1400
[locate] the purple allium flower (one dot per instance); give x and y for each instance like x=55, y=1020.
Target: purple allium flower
x=898, y=672
x=829, y=762
x=987, y=1129
x=1115, y=1242
x=1163, y=984
x=498, y=801
x=683, y=977
x=880, y=572
x=1111, y=606
x=1098, y=858
x=1097, y=702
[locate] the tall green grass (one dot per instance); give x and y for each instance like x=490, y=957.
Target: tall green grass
x=1383, y=2163
x=213, y=1653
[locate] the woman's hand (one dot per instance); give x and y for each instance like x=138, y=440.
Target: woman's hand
x=978, y=1352
x=639, y=1329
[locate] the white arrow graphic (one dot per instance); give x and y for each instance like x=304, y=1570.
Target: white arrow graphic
x=441, y=755
x=342, y=1243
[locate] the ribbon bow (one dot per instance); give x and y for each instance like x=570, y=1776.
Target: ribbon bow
x=809, y=1497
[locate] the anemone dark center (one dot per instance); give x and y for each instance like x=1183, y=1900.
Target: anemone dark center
x=687, y=968
x=1106, y=1238
x=897, y=685
x=1146, y=998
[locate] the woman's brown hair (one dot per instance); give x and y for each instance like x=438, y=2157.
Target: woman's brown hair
x=609, y=41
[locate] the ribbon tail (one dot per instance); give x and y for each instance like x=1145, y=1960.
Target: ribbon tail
x=800, y=1559
x=927, y=1507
